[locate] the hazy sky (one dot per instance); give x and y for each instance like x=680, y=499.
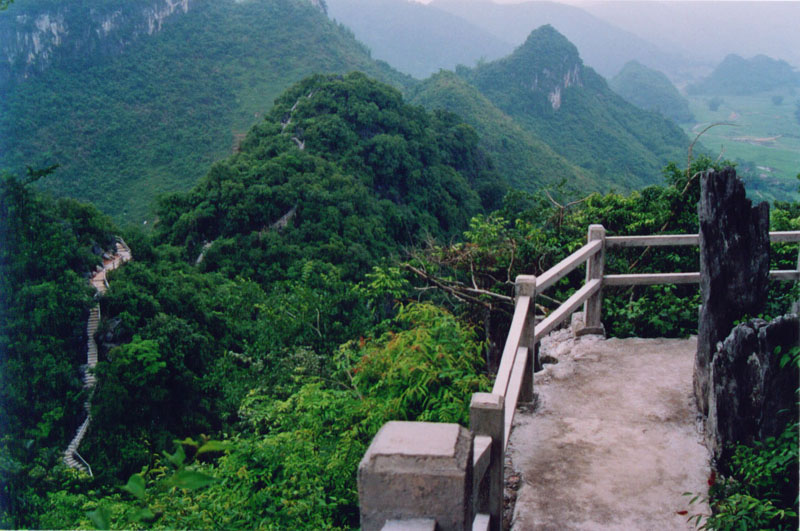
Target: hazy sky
x=705, y=29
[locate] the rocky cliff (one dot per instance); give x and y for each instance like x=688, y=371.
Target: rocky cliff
x=34, y=35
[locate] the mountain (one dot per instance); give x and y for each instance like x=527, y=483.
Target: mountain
x=708, y=30
x=651, y=90
x=525, y=161
x=415, y=38
x=341, y=170
x=603, y=46
x=38, y=33
x=545, y=87
x=738, y=76
x=132, y=106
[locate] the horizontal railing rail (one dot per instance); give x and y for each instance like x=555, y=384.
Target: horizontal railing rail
x=492, y=414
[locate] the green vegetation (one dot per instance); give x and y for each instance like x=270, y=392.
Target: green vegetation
x=128, y=125
x=761, y=490
x=129, y=120
x=526, y=162
x=47, y=248
x=547, y=90
x=275, y=317
x=759, y=487
x=274, y=325
x=762, y=139
x=738, y=76
x=651, y=90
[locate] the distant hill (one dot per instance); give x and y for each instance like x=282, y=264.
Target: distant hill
x=526, y=162
x=651, y=90
x=415, y=38
x=708, y=30
x=738, y=76
x=545, y=87
x=603, y=46
x=148, y=108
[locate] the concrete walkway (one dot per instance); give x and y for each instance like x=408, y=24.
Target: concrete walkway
x=613, y=441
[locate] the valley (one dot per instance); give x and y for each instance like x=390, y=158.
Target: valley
x=764, y=138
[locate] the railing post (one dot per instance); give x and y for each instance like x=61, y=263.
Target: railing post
x=415, y=471
x=486, y=417
x=525, y=286
x=592, y=308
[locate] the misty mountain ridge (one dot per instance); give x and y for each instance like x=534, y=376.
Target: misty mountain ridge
x=545, y=87
x=526, y=161
x=603, y=46
x=707, y=31
x=415, y=38
x=651, y=90
x=736, y=75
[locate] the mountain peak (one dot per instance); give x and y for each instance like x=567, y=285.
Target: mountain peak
x=546, y=63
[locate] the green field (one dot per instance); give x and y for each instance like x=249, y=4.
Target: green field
x=764, y=138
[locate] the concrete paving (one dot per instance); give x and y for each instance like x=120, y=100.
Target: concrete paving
x=614, y=440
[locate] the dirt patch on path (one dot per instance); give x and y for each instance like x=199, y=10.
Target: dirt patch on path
x=614, y=441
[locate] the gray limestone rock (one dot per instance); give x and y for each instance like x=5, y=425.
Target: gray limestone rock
x=750, y=397
x=734, y=266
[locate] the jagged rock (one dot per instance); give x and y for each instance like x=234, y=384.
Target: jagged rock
x=750, y=397
x=734, y=265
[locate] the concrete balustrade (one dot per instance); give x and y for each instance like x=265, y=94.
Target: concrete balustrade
x=425, y=476
x=414, y=472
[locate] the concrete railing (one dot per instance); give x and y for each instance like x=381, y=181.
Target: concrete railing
x=420, y=475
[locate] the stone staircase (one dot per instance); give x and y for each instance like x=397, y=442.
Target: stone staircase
x=99, y=282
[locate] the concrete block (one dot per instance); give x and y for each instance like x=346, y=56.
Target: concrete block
x=417, y=470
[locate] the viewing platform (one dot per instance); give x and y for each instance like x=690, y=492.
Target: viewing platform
x=610, y=440
x=614, y=439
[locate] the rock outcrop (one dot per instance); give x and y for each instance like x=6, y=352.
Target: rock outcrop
x=750, y=396
x=32, y=37
x=734, y=266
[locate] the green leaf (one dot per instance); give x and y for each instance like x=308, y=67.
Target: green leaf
x=188, y=441
x=191, y=479
x=177, y=458
x=146, y=515
x=100, y=517
x=135, y=486
x=214, y=446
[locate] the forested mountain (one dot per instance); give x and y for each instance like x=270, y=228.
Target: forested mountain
x=651, y=90
x=545, y=87
x=333, y=274
x=343, y=159
x=255, y=276
x=603, y=46
x=524, y=160
x=415, y=38
x=39, y=33
x=736, y=75
x=133, y=115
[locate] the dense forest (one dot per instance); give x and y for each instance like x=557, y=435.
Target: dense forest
x=128, y=119
x=275, y=316
x=547, y=89
x=347, y=260
x=126, y=127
